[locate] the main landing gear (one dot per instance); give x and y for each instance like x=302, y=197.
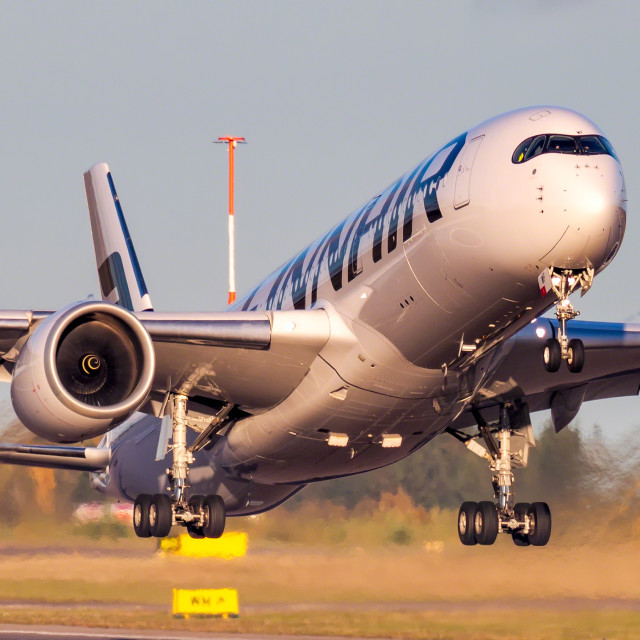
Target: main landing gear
x=481, y=522
x=203, y=516
x=564, y=283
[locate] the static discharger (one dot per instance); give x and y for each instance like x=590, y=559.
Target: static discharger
x=232, y=142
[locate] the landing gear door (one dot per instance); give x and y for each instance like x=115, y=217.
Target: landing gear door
x=461, y=196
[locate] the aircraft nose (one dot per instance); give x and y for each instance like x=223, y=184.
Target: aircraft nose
x=587, y=204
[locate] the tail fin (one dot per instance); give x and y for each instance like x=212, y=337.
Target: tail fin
x=121, y=280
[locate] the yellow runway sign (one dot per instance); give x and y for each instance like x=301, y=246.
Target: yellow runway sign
x=205, y=602
x=231, y=545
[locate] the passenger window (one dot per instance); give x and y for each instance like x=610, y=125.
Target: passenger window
x=561, y=144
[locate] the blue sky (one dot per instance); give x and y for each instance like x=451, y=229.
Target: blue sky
x=336, y=99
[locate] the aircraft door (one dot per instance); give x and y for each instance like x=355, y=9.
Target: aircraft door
x=461, y=196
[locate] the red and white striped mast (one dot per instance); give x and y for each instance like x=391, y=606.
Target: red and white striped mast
x=232, y=142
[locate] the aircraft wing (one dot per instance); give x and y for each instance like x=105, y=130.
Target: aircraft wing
x=251, y=359
x=515, y=371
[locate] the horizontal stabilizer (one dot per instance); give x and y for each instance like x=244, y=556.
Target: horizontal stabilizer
x=53, y=457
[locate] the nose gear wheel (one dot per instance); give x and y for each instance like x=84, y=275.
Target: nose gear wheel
x=563, y=283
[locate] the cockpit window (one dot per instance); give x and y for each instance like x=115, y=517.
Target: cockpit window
x=591, y=145
x=555, y=143
x=562, y=144
x=608, y=146
x=537, y=147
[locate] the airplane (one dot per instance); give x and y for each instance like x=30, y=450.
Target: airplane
x=418, y=314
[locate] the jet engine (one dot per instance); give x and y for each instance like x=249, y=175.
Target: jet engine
x=84, y=370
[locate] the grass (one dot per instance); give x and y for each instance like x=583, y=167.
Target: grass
x=370, y=581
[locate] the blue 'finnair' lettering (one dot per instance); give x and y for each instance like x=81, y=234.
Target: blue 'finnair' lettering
x=299, y=279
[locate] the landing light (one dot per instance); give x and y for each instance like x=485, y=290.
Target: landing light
x=541, y=332
x=555, y=281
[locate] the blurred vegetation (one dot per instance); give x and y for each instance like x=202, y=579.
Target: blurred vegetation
x=410, y=502
x=562, y=467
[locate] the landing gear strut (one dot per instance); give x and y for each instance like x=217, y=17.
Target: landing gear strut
x=480, y=523
x=564, y=283
x=203, y=516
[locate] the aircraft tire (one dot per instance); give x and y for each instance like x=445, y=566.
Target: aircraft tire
x=160, y=515
x=215, y=515
x=540, y=515
x=141, y=515
x=466, y=519
x=552, y=355
x=486, y=523
x=520, y=539
x=575, y=361
x=520, y=510
x=195, y=506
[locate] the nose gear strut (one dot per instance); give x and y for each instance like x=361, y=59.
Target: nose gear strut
x=563, y=283
x=480, y=523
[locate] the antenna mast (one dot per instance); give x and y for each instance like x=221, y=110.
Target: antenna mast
x=232, y=142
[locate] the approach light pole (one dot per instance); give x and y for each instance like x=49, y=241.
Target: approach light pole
x=232, y=142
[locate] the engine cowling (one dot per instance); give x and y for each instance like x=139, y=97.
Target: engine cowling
x=84, y=370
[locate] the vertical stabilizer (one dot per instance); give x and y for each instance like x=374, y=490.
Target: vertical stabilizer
x=121, y=280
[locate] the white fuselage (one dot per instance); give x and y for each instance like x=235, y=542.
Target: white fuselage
x=448, y=255
x=454, y=247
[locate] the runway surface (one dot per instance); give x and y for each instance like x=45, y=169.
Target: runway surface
x=500, y=604
x=34, y=632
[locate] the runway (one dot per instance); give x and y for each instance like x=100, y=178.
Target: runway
x=53, y=632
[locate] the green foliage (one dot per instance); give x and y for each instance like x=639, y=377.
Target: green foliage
x=106, y=528
x=401, y=536
x=443, y=474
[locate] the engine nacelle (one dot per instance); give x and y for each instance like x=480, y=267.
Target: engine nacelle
x=84, y=369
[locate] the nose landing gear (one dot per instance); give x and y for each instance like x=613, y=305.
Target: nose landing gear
x=203, y=516
x=564, y=283
x=480, y=523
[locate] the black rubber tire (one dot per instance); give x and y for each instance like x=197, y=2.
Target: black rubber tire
x=486, y=523
x=520, y=510
x=466, y=518
x=160, y=515
x=552, y=355
x=195, y=506
x=575, y=361
x=540, y=515
x=520, y=539
x=141, y=515
x=215, y=515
